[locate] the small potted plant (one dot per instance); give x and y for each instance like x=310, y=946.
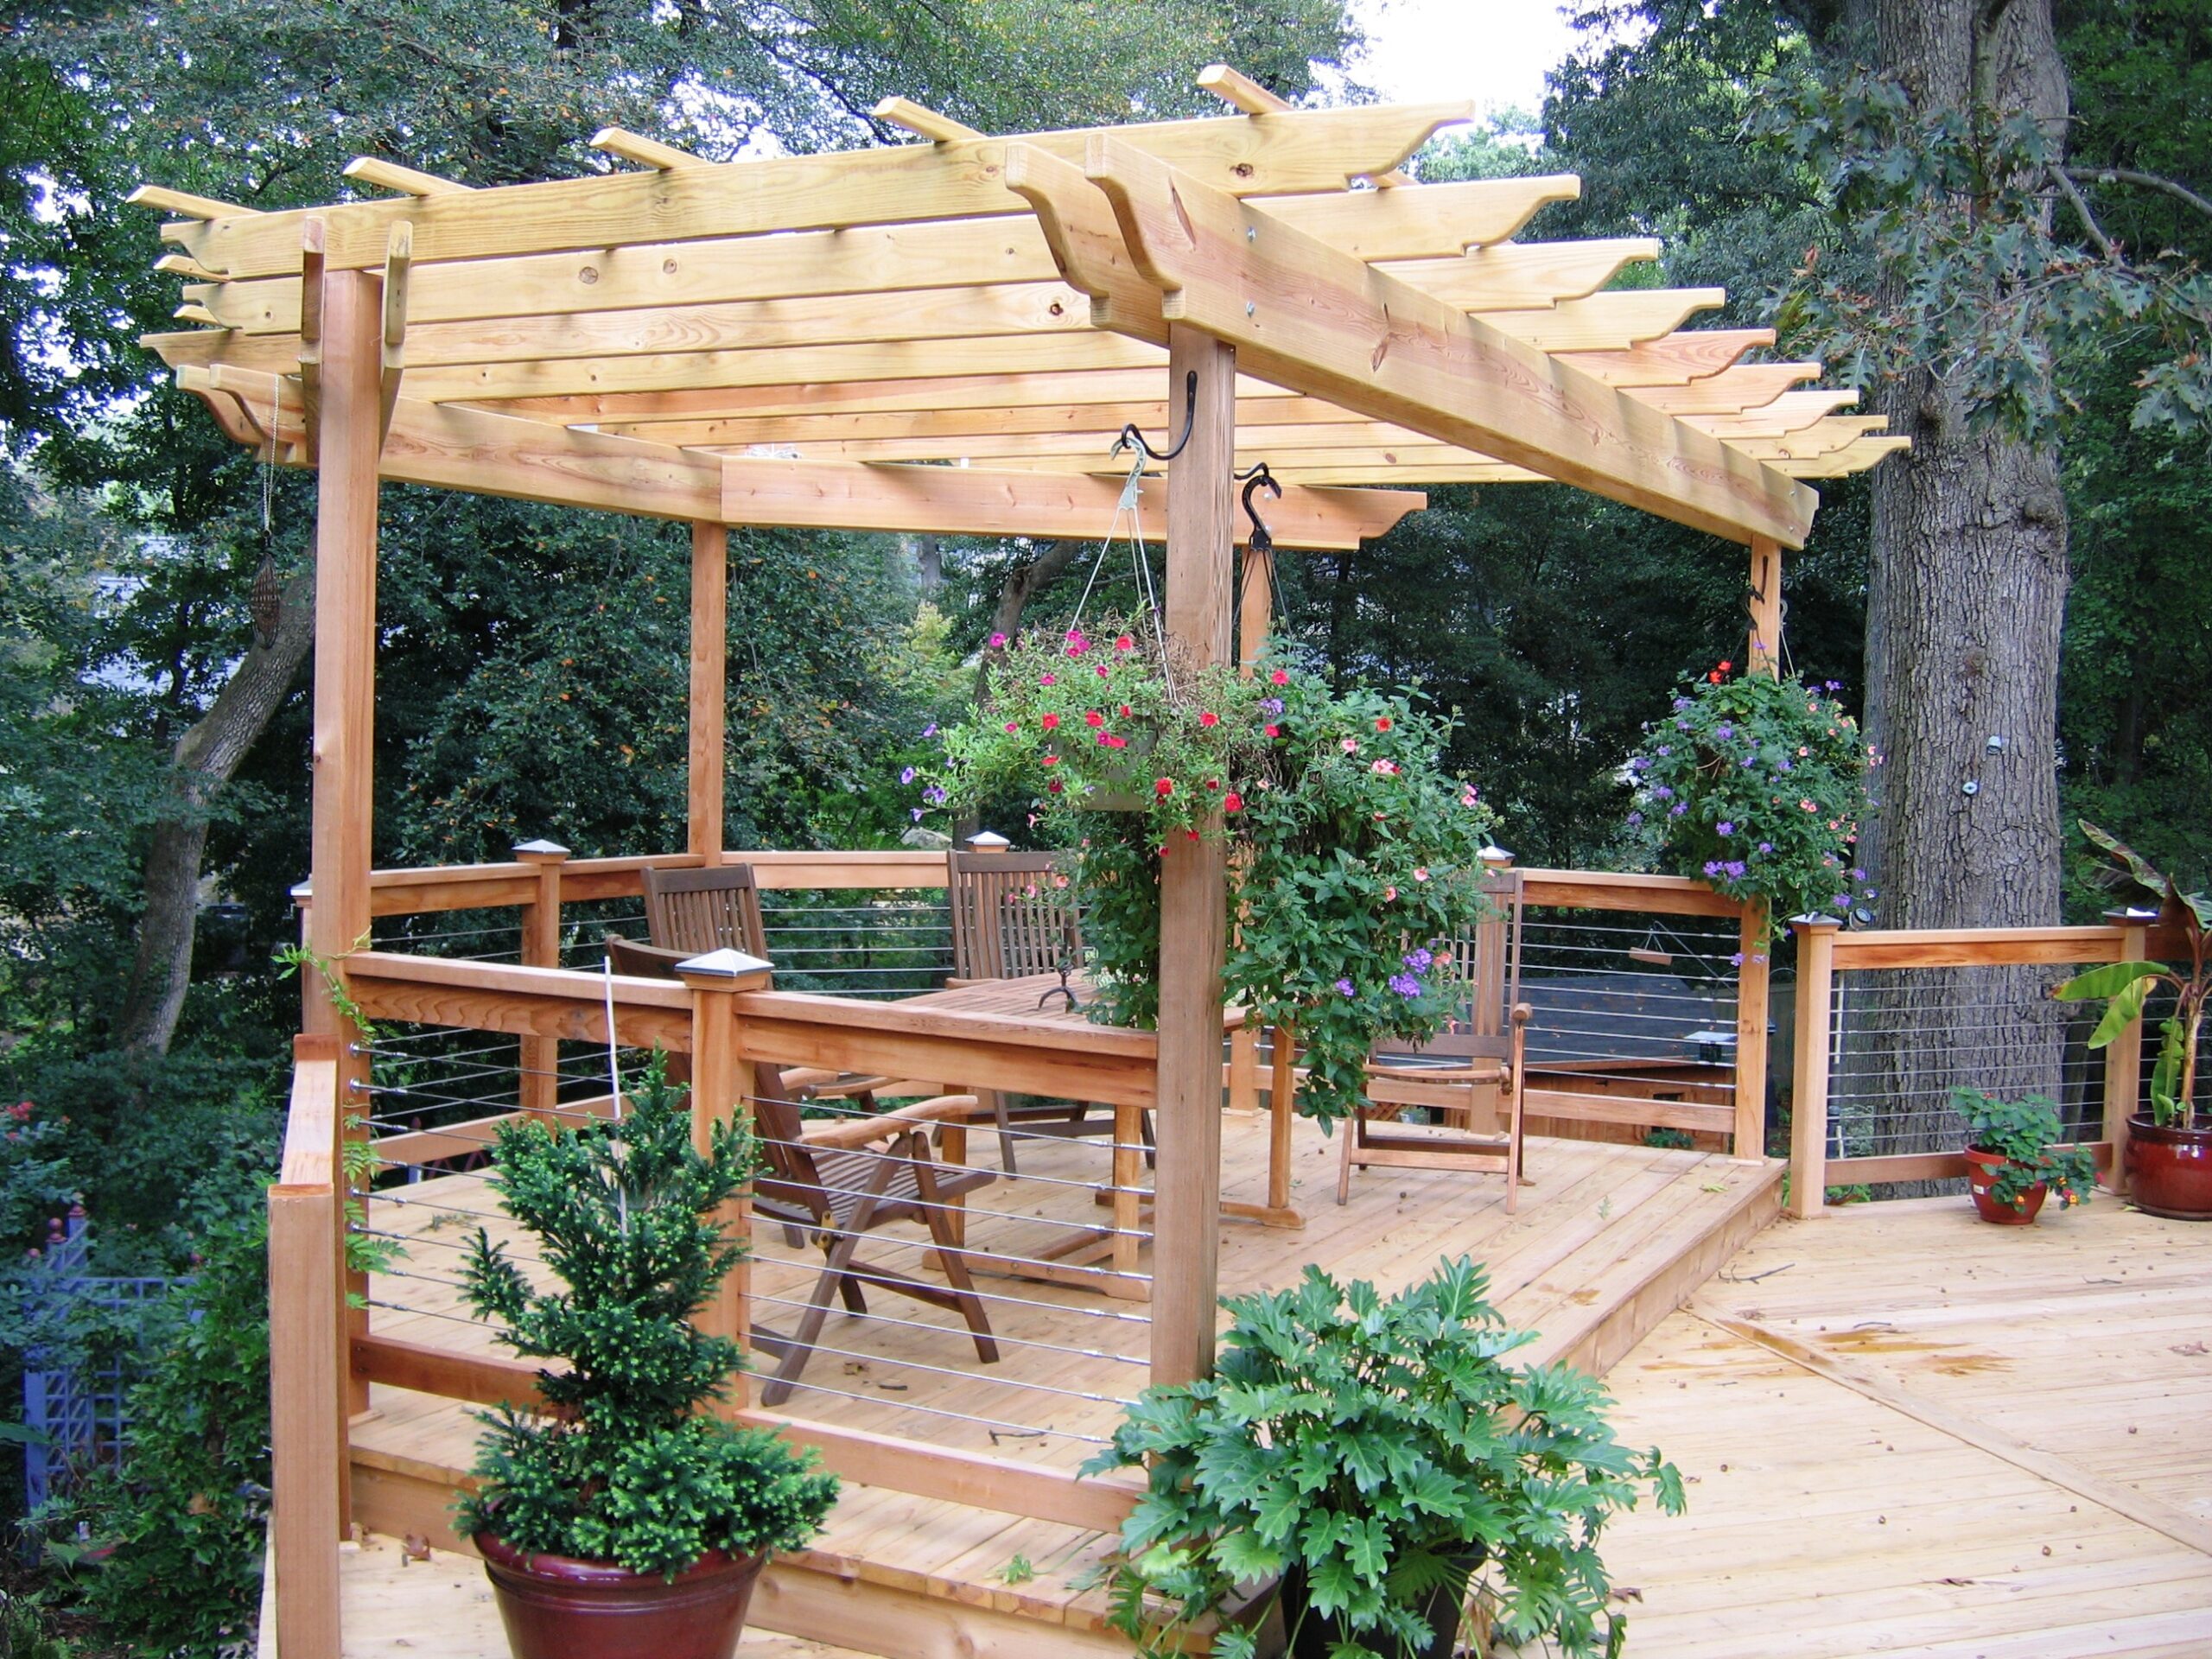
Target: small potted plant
x=2013, y=1161
x=1367, y=1455
x=2169, y=1160
x=624, y=1518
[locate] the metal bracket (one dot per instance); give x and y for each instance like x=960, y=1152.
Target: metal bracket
x=1133, y=439
x=1256, y=476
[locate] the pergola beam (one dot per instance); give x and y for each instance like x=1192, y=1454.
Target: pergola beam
x=457, y=448
x=1306, y=316
x=1438, y=221
x=1295, y=151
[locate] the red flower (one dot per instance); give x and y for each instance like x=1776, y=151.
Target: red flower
x=1163, y=787
x=1272, y=731
x=1713, y=677
x=1127, y=711
x=1124, y=643
x=1209, y=718
x=1112, y=741
x=1051, y=722
x=1191, y=835
x=1232, y=802
x=1094, y=718
x=1053, y=788
x=1213, y=783
x=1051, y=760
x=1382, y=724
x=1279, y=678
x=1726, y=667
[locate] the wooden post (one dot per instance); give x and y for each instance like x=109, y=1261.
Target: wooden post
x=1256, y=607
x=1766, y=653
x=1752, y=1007
x=1193, y=886
x=1282, y=1106
x=539, y=1090
x=1809, y=1111
x=345, y=691
x=2123, y=1056
x=709, y=697
x=720, y=1082
x=307, y=1435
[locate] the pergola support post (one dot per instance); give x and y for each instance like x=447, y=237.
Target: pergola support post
x=345, y=698
x=1764, y=655
x=709, y=682
x=1193, y=888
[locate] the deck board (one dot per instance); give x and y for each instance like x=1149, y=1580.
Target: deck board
x=1840, y=1512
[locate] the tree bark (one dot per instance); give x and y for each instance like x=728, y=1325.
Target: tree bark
x=1023, y=583
x=206, y=757
x=1967, y=591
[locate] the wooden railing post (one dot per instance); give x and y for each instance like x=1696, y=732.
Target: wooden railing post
x=708, y=693
x=306, y=1384
x=720, y=1084
x=1808, y=1109
x=2123, y=1056
x=1752, y=1016
x=539, y=1090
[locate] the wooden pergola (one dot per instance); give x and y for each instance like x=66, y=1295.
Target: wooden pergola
x=943, y=336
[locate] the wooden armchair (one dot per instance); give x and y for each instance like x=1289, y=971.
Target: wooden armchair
x=833, y=1183
x=1011, y=919
x=1469, y=1080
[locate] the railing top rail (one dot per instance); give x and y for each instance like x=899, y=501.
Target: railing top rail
x=311, y=1124
x=1983, y=947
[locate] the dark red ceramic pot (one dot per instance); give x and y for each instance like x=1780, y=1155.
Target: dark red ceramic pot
x=1982, y=1181
x=555, y=1607
x=2170, y=1170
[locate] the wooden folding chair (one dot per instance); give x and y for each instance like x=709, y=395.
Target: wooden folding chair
x=835, y=1182
x=1468, y=1080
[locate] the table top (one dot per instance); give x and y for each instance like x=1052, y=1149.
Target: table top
x=1021, y=999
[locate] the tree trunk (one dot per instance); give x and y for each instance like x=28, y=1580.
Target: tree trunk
x=206, y=757
x=1023, y=583
x=1966, y=595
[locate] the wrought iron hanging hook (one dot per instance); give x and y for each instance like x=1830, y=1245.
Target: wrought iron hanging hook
x=1260, y=541
x=1133, y=439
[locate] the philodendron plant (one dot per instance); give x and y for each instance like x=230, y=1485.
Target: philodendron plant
x=1364, y=1448
x=2127, y=987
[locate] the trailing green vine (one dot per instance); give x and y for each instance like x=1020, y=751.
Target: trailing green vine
x=365, y=1253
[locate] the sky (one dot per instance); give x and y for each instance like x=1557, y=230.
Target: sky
x=1493, y=51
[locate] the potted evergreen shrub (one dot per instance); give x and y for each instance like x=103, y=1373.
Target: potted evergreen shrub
x=1368, y=1455
x=624, y=1518
x=2170, y=1146
x=2012, y=1161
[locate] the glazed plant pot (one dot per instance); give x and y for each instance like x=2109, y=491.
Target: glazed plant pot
x=2170, y=1169
x=1314, y=1635
x=1982, y=1180
x=557, y=1607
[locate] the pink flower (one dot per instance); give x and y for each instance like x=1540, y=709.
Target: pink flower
x=1011, y=727
x=998, y=642
x=1385, y=768
x=1092, y=717
x=1232, y=802
x=1809, y=806
x=1420, y=873
x=1279, y=678
x=1047, y=679
x=1351, y=744
x=1389, y=893
x=1207, y=717
x=1124, y=643
x=1382, y=723
x=1050, y=722
x=1467, y=796
x=1272, y=731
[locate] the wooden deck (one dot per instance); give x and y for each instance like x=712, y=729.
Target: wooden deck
x=1609, y=1240
x=1911, y=1432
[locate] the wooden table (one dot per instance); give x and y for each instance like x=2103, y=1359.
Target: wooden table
x=1119, y=1244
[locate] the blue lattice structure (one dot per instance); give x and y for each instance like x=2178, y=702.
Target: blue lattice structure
x=76, y=1373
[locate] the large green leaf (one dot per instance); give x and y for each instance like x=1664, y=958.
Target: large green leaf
x=2106, y=980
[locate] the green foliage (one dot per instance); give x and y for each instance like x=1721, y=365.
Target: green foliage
x=1358, y=855
x=1758, y=785
x=27, y=1630
x=182, y=1524
x=2023, y=1133
x=626, y=1466
x=2125, y=986
x=1365, y=1442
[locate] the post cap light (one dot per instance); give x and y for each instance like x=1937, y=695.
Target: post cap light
x=989, y=841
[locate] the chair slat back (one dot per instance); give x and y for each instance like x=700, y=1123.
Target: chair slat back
x=703, y=910
x=1488, y=962
x=790, y=1175
x=1009, y=918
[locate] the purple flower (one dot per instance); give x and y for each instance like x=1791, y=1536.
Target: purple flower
x=1344, y=985
x=918, y=814
x=1736, y=961
x=1665, y=749
x=1678, y=808
x=1682, y=703
x=1405, y=985
x=1858, y=875
x=1271, y=705
x=1635, y=818
x=930, y=730
x=1418, y=960
x=1712, y=866
x=1724, y=731
x=1831, y=685
x=1735, y=868
x=934, y=795
x=1783, y=765
x=1639, y=764
x=1840, y=903
x=1766, y=846
x=1663, y=794
x=907, y=776
x=1724, y=827
x=1749, y=762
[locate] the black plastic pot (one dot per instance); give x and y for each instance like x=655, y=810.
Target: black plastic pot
x=1311, y=1634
